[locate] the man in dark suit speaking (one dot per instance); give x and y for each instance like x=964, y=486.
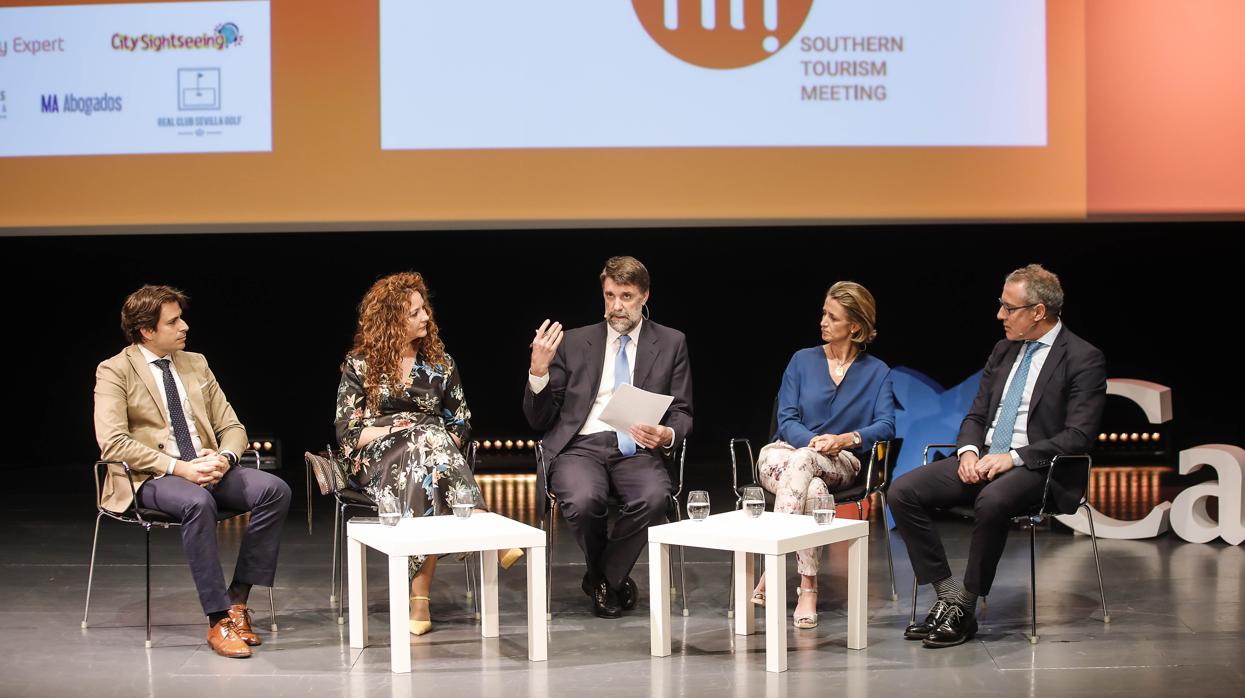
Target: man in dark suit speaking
x=571, y=378
x=1041, y=395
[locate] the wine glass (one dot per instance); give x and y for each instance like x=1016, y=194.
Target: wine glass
x=754, y=501
x=697, y=505
x=823, y=509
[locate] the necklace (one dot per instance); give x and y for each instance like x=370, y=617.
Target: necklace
x=841, y=369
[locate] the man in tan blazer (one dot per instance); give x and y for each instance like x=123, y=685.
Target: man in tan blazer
x=159, y=409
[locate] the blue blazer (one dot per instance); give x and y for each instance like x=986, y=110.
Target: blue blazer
x=809, y=403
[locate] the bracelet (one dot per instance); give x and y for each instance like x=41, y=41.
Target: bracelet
x=391, y=426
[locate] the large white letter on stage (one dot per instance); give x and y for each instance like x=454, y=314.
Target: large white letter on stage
x=1156, y=401
x=1188, y=515
x=1189, y=518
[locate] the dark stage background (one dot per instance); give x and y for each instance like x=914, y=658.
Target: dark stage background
x=275, y=313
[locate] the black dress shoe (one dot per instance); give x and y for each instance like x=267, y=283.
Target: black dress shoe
x=605, y=601
x=920, y=631
x=958, y=625
x=628, y=594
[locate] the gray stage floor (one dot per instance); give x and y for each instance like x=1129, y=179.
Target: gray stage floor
x=1177, y=626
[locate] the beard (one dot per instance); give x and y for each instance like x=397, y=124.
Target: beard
x=624, y=323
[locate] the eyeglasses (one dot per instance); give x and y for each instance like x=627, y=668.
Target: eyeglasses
x=1009, y=309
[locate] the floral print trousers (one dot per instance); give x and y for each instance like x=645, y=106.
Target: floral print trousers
x=795, y=476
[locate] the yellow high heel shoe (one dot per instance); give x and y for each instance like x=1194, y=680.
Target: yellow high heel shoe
x=419, y=627
x=510, y=557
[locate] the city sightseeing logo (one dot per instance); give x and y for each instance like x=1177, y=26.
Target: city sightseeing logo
x=222, y=37
x=723, y=34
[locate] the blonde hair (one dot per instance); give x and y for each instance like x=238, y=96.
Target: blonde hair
x=861, y=310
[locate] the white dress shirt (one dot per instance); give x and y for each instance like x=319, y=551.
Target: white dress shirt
x=605, y=390
x=1020, y=435
x=170, y=445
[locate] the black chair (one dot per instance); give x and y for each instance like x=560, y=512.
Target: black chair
x=873, y=478
x=148, y=519
x=550, y=516
x=334, y=479
x=1031, y=521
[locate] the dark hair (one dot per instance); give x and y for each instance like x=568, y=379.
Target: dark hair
x=626, y=270
x=141, y=309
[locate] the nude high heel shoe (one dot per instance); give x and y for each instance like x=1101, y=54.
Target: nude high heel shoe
x=805, y=621
x=510, y=557
x=419, y=627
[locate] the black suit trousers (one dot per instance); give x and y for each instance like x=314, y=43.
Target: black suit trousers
x=583, y=476
x=938, y=485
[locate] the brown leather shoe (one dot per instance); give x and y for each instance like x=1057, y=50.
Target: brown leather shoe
x=224, y=640
x=241, y=617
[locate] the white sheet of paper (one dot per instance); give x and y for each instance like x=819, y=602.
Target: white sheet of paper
x=630, y=405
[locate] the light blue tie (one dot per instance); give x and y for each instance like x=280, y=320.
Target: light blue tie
x=1009, y=410
x=622, y=374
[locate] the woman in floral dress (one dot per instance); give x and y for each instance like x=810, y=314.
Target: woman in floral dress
x=401, y=417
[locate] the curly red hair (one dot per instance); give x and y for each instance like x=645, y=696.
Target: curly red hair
x=381, y=334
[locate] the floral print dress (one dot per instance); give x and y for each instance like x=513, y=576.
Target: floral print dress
x=418, y=463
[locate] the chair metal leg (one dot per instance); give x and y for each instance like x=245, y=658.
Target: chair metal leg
x=553, y=545
x=90, y=575
x=1033, y=580
x=472, y=594
x=147, y=540
x=340, y=547
x=913, y=618
x=308, y=488
x=1093, y=539
x=890, y=561
x=272, y=609
x=678, y=516
x=333, y=578
x=730, y=599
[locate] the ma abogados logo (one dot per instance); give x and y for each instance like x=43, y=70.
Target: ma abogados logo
x=722, y=34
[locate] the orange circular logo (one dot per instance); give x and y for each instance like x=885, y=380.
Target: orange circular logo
x=722, y=33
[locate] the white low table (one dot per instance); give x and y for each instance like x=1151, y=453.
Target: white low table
x=774, y=536
x=439, y=535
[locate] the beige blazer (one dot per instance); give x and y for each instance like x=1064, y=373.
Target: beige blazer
x=131, y=425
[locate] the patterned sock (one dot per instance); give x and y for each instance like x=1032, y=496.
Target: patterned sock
x=951, y=590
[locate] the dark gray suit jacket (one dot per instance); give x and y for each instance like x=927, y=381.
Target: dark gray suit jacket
x=1065, y=410
x=561, y=409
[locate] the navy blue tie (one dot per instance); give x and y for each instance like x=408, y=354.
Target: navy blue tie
x=1009, y=409
x=177, y=416
x=622, y=374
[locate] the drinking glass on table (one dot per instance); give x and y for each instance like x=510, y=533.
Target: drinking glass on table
x=387, y=508
x=697, y=505
x=823, y=509
x=464, y=503
x=754, y=501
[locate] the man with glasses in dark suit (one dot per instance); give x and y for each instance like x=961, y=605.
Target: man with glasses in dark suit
x=1041, y=395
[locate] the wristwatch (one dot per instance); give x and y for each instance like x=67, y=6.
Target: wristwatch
x=855, y=438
